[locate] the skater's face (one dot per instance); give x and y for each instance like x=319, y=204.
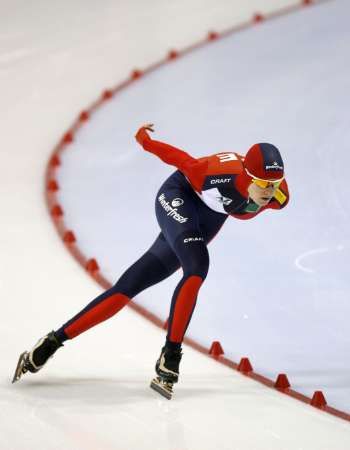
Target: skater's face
x=262, y=195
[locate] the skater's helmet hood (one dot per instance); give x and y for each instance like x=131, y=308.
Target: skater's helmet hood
x=264, y=161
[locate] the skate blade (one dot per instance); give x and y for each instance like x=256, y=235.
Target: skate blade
x=163, y=388
x=20, y=366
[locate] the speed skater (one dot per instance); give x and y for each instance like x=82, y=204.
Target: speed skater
x=191, y=206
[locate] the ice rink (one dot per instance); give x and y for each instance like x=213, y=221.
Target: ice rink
x=286, y=81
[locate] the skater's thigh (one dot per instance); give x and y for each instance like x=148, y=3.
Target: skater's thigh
x=185, y=237
x=177, y=213
x=166, y=255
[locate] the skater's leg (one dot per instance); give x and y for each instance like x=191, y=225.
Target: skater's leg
x=188, y=225
x=193, y=254
x=158, y=263
x=194, y=258
x=191, y=249
x=155, y=265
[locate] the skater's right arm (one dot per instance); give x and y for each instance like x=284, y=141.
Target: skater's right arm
x=193, y=168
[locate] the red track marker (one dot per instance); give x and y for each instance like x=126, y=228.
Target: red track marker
x=52, y=186
x=92, y=266
x=56, y=211
x=282, y=382
x=245, y=366
x=213, y=35
x=84, y=116
x=136, y=74
x=173, y=54
x=55, y=161
x=216, y=349
x=318, y=400
x=69, y=237
x=107, y=94
x=67, y=138
x=257, y=18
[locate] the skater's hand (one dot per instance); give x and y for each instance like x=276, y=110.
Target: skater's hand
x=149, y=127
x=142, y=134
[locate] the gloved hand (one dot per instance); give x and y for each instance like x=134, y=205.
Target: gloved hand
x=142, y=134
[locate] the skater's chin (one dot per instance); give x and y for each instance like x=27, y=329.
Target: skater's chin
x=263, y=201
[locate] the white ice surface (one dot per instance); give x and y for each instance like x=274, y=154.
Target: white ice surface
x=277, y=289
x=54, y=59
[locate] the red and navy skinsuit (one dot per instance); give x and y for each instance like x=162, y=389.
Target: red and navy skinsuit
x=191, y=207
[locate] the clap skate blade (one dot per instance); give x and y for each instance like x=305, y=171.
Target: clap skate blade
x=20, y=369
x=164, y=388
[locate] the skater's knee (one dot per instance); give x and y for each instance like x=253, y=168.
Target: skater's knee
x=145, y=272
x=197, y=263
x=117, y=288
x=197, y=267
x=193, y=254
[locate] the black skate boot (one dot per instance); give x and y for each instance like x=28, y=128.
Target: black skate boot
x=167, y=368
x=36, y=358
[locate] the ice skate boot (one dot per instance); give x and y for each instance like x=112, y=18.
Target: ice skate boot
x=36, y=358
x=167, y=369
